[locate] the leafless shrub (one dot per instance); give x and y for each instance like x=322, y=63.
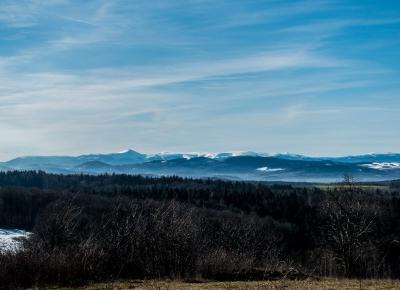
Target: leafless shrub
x=350, y=220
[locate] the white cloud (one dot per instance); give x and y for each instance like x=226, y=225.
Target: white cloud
x=179, y=82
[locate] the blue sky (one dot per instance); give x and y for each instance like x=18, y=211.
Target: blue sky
x=310, y=77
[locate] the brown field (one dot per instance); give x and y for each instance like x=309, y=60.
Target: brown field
x=323, y=284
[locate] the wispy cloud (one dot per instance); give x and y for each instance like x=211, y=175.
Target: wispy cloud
x=338, y=24
x=24, y=13
x=166, y=75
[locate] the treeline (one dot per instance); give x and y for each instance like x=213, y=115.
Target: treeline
x=93, y=228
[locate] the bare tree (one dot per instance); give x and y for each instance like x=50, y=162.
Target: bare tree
x=350, y=219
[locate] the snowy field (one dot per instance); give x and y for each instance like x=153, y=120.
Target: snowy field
x=9, y=238
x=383, y=165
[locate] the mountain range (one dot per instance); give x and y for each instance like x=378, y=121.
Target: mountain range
x=226, y=165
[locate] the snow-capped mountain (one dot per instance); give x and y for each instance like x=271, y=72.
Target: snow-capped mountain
x=366, y=158
x=211, y=155
x=371, y=158
x=232, y=165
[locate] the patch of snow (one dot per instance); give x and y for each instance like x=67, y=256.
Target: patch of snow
x=211, y=155
x=173, y=155
x=266, y=169
x=288, y=154
x=9, y=239
x=187, y=157
x=244, y=153
x=383, y=165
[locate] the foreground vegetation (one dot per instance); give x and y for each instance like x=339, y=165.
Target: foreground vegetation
x=309, y=284
x=99, y=228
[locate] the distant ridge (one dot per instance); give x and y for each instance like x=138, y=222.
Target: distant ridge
x=238, y=165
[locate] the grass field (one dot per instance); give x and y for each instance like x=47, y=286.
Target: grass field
x=324, y=284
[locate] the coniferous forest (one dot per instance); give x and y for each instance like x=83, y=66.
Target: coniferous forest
x=107, y=227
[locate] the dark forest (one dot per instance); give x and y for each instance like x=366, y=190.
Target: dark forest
x=107, y=227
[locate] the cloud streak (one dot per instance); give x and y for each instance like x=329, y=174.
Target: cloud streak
x=105, y=75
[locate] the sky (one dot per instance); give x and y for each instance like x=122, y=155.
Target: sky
x=320, y=78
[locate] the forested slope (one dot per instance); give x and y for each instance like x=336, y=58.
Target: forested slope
x=94, y=228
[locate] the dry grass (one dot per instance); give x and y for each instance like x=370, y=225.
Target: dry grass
x=324, y=284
